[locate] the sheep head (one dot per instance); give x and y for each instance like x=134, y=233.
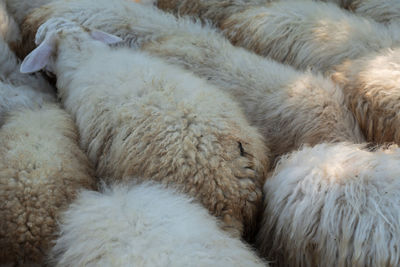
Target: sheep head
x=46, y=39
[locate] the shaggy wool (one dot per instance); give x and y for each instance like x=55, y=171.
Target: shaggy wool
x=140, y=116
x=41, y=170
x=333, y=205
x=145, y=225
x=308, y=34
x=372, y=87
x=288, y=107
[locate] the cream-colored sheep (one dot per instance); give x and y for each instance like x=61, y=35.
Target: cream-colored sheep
x=370, y=83
x=41, y=170
x=214, y=10
x=145, y=225
x=333, y=205
x=384, y=11
x=9, y=29
x=307, y=34
x=289, y=108
x=372, y=87
x=17, y=90
x=140, y=116
x=20, y=8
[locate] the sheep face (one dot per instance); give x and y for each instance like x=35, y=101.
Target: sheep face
x=47, y=38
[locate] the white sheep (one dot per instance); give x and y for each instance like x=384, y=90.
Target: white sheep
x=307, y=34
x=333, y=205
x=41, y=170
x=214, y=10
x=20, y=8
x=18, y=90
x=140, y=116
x=9, y=29
x=383, y=11
x=289, y=108
x=372, y=88
x=145, y=225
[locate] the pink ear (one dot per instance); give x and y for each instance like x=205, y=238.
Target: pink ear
x=105, y=37
x=38, y=58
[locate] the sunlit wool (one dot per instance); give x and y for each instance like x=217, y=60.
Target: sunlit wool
x=308, y=34
x=288, y=107
x=333, y=205
x=140, y=116
x=372, y=87
x=145, y=225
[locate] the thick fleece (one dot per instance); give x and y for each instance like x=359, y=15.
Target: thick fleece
x=41, y=170
x=308, y=34
x=19, y=90
x=140, y=116
x=145, y=225
x=214, y=10
x=333, y=205
x=288, y=107
x=372, y=87
x=383, y=11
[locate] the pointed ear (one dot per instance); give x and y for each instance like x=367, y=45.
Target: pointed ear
x=38, y=58
x=105, y=37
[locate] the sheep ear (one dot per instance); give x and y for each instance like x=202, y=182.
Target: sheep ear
x=105, y=37
x=38, y=58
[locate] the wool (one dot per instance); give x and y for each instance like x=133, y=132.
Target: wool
x=214, y=10
x=371, y=85
x=9, y=29
x=20, y=8
x=18, y=90
x=308, y=34
x=383, y=11
x=333, y=205
x=140, y=116
x=144, y=225
x=41, y=171
x=289, y=107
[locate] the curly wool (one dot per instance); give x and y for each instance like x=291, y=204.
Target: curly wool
x=144, y=225
x=41, y=170
x=288, y=107
x=139, y=116
x=372, y=87
x=333, y=205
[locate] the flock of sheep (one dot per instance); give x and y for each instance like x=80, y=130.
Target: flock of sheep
x=199, y=133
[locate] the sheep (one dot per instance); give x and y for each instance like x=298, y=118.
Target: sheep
x=20, y=8
x=144, y=225
x=41, y=170
x=371, y=86
x=9, y=29
x=333, y=205
x=308, y=34
x=383, y=11
x=377, y=118
x=288, y=107
x=304, y=34
x=18, y=90
x=215, y=10
x=140, y=116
